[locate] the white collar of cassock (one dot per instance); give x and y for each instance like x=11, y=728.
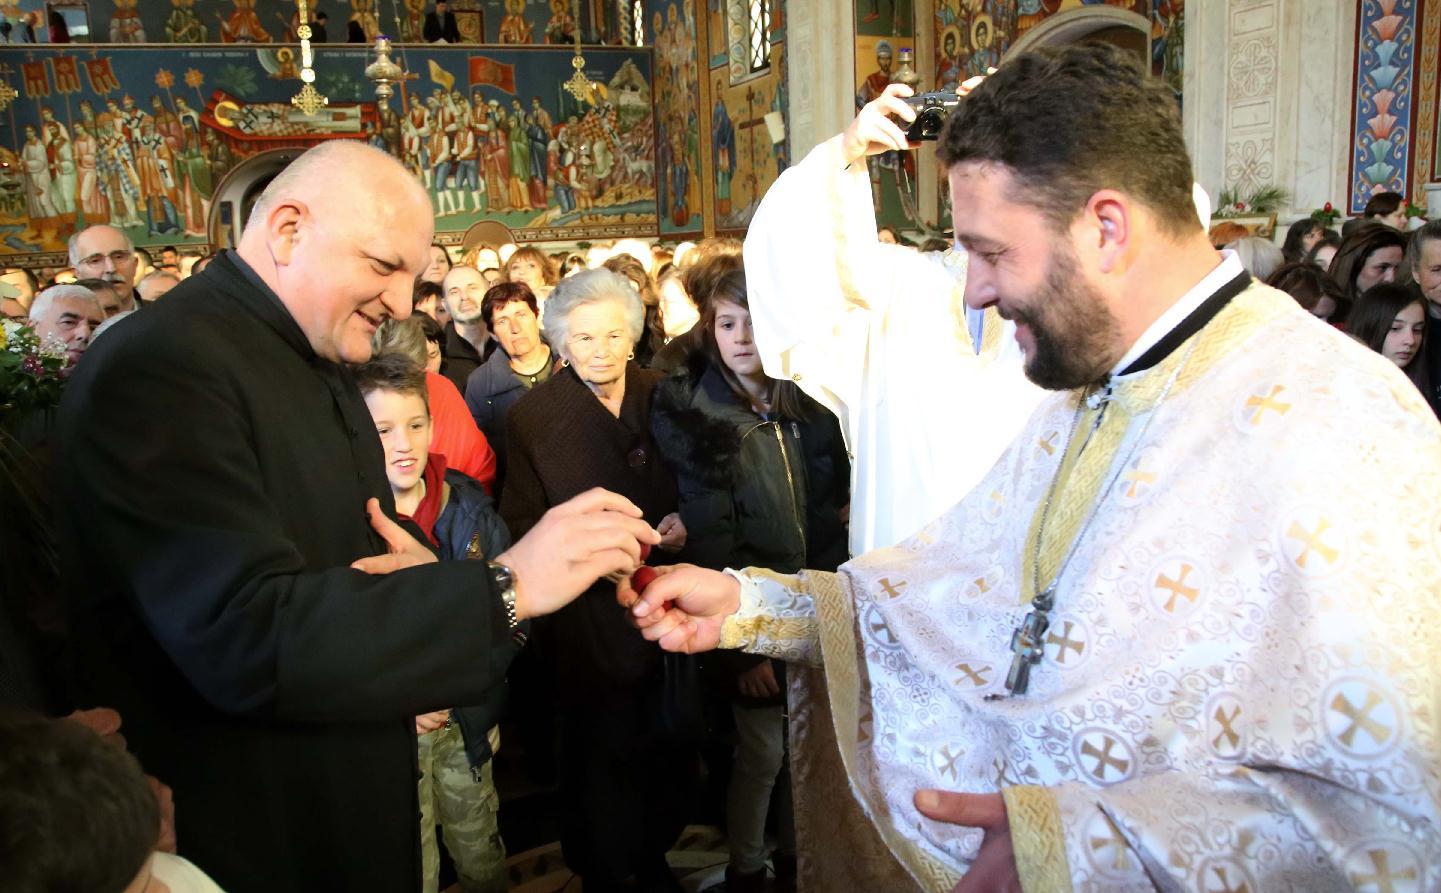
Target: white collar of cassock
x=1229, y=268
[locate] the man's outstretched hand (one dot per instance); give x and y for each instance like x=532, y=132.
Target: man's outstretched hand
x=683, y=607
x=594, y=535
x=994, y=870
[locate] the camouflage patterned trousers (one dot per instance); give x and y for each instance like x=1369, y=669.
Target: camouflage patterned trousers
x=466, y=810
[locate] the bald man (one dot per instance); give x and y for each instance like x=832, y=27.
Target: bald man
x=104, y=252
x=212, y=596
x=155, y=284
x=467, y=341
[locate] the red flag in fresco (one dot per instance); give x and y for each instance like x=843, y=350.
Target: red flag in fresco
x=67, y=75
x=488, y=71
x=102, y=78
x=37, y=79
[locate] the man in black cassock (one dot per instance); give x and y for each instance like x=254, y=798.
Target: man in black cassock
x=440, y=25
x=217, y=466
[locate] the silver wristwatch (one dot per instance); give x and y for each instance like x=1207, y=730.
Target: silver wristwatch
x=503, y=578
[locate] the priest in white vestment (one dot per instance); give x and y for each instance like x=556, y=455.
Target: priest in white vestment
x=927, y=393
x=1182, y=636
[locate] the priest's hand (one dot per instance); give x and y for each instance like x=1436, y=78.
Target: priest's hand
x=873, y=132
x=596, y=534
x=403, y=550
x=994, y=868
x=683, y=608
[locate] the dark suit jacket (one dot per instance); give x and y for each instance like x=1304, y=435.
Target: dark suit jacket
x=434, y=29
x=213, y=477
x=461, y=357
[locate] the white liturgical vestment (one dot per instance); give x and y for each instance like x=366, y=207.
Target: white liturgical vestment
x=1239, y=689
x=877, y=334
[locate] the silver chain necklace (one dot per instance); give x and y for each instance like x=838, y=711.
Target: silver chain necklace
x=1028, y=639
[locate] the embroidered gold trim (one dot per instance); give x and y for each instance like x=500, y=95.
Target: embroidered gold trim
x=1038, y=839
x=745, y=632
x=841, y=657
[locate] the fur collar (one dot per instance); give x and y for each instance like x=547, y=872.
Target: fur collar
x=701, y=422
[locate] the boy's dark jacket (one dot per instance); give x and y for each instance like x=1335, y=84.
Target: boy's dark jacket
x=470, y=515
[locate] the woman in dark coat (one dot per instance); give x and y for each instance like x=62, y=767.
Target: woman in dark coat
x=764, y=482
x=588, y=426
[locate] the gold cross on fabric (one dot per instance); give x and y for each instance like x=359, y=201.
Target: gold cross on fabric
x=1178, y=587
x=1360, y=718
x=1384, y=877
x=1312, y=542
x=1261, y=404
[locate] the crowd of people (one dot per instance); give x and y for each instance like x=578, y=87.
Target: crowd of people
x=1379, y=280
x=260, y=618
x=732, y=467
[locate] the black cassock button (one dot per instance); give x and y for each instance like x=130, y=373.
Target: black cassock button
x=636, y=458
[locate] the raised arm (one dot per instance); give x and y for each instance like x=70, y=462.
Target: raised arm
x=821, y=285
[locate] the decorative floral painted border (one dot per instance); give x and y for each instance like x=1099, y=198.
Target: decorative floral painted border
x=1385, y=63
x=1428, y=84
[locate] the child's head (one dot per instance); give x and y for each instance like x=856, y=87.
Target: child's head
x=76, y=813
x=394, y=390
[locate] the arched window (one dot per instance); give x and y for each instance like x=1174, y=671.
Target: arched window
x=748, y=36
x=759, y=34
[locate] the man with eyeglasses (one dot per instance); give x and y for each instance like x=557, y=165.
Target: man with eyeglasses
x=105, y=252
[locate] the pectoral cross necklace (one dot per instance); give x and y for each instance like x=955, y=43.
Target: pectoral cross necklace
x=1028, y=642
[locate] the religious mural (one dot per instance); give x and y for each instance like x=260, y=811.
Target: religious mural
x=142, y=138
x=745, y=124
x=266, y=21
x=884, y=28
x=974, y=35
x=671, y=29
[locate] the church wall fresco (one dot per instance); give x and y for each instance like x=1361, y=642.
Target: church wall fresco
x=717, y=120
x=974, y=35
x=1385, y=64
x=140, y=138
x=883, y=29
x=1394, y=117
x=745, y=159
x=671, y=28
x=266, y=21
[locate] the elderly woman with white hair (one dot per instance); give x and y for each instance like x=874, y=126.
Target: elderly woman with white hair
x=622, y=727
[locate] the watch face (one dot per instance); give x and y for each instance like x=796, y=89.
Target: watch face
x=502, y=576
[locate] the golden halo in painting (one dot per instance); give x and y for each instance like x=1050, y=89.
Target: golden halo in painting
x=954, y=33
x=983, y=31
x=222, y=112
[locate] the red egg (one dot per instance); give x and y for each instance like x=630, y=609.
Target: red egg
x=642, y=578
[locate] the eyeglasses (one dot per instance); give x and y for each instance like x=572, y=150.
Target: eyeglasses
x=116, y=257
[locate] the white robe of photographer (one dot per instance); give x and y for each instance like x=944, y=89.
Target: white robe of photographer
x=880, y=335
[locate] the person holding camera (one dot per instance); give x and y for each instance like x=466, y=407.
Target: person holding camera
x=928, y=394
